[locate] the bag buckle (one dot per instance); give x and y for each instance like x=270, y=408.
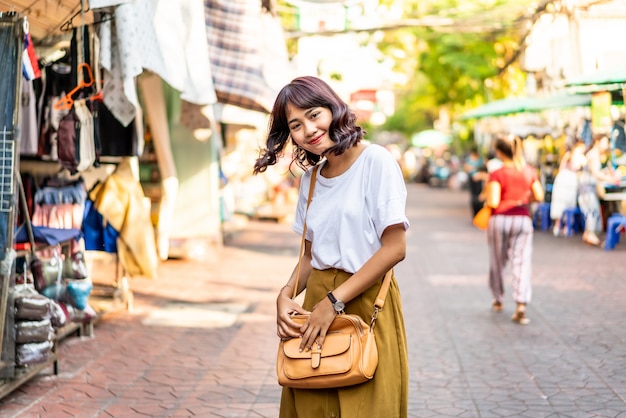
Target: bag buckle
x=316, y=356
x=374, y=317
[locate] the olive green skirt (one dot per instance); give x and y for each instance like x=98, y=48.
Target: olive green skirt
x=386, y=395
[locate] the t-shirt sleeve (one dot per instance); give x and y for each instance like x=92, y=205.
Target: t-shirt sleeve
x=387, y=187
x=495, y=176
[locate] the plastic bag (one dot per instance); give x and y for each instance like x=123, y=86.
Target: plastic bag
x=32, y=353
x=74, y=266
x=72, y=292
x=33, y=331
x=29, y=304
x=58, y=316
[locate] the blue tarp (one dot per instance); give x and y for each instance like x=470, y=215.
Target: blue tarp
x=46, y=235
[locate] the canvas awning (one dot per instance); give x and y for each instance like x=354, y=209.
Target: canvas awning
x=430, y=138
x=511, y=105
x=501, y=107
x=605, y=80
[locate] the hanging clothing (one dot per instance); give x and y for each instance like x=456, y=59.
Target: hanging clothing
x=28, y=119
x=165, y=37
x=98, y=234
x=120, y=200
x=248, y=53
x=60, y=207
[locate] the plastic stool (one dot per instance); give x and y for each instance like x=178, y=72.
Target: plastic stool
x=614, y=226
x=541, y=217
x=573, y=221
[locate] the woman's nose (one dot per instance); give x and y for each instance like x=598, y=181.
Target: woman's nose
x=310, y=128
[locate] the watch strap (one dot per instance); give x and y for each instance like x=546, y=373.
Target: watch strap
x=332, y=297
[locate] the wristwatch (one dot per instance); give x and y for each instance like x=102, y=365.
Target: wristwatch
x=337, y=304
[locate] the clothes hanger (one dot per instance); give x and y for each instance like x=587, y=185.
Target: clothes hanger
x=66, y=102
x=69, y=25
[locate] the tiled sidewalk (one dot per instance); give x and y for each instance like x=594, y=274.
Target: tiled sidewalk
x=201, y=338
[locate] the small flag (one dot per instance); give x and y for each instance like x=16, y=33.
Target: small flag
x=30, y=66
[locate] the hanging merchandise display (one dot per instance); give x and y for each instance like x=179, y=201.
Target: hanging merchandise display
x=45, y=283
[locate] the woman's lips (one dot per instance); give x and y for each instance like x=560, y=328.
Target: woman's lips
x=316, y=140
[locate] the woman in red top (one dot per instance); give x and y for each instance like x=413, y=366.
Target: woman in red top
x=509, y=192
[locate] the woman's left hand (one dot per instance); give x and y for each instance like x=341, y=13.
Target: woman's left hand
x=314, y=331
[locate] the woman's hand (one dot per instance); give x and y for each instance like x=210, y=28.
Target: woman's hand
x=285, y=308
x=617, y=178
x=314, y=331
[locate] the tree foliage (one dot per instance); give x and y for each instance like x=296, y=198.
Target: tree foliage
x=455, y=66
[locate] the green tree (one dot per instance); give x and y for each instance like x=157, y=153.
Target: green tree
x=465, y=60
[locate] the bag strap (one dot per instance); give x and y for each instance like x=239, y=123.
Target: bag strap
x=384, y=288
x=311, y=189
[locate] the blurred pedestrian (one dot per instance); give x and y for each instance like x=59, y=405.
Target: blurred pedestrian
x=591, y=179
x=356, y=227
x=565, y=186
x=510, y=190
x=473, y=167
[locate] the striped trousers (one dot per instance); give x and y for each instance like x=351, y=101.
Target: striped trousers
x=510, y=240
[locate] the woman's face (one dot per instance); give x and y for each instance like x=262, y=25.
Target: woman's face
x=309, y=128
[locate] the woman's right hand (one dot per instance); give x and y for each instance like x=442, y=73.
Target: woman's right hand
x=285, y=308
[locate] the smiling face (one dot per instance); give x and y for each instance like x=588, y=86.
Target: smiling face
x=310, y=128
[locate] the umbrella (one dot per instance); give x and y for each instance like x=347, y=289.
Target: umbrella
x=430, y=138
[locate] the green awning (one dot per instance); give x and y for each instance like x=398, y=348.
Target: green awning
x=501, y=107
x=604, y=80
x=430, y=138
x=511, y=105
x=560, y=100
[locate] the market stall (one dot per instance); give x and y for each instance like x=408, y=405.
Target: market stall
x=112, y=134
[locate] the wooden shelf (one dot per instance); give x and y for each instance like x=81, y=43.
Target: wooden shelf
x=24, y=374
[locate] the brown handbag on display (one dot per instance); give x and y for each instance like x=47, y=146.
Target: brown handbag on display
x=349, y=355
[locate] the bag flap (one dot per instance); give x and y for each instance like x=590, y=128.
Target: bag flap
x=334, y=344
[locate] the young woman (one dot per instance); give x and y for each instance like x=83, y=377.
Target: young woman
x=356, y=227
x=587, y=193
x=565, y=187
x=509, y=192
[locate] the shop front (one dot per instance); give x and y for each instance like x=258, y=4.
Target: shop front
x=111, y=155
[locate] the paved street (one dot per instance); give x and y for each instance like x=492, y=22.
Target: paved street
x=201, y=341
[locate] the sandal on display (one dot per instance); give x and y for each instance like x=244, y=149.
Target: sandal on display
x=520, y=318
x=496, y=306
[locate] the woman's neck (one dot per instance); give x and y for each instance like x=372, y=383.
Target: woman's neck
x=336, y=165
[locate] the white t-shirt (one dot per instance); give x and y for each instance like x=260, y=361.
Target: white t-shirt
x=349, y=213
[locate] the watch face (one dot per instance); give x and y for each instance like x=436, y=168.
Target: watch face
x=339, y=306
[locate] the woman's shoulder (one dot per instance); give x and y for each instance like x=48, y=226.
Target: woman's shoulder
x=378, y=152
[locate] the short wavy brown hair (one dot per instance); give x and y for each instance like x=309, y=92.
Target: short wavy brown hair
x=307, y=92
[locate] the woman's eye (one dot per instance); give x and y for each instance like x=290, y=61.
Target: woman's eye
x=315, y=115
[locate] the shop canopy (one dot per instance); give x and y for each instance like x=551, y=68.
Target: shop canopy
x=605, y=80
x=430, y=138
x=512, y=105
x=182, y=41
